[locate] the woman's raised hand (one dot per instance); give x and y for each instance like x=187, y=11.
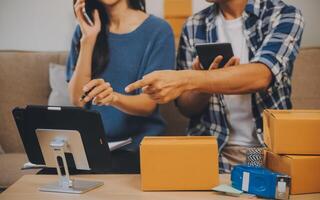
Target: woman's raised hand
x=89, y=33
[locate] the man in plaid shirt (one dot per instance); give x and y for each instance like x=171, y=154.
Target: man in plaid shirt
x=228, y=102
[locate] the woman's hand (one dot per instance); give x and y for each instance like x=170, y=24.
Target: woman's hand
x=100, y=92
x=89, y=33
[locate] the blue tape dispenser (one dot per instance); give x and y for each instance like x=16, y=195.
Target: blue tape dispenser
x=261, y=182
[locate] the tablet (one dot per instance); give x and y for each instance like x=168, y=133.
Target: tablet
x=73, y=120
x=209, y=51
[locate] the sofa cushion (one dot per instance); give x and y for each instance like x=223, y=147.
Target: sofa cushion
x=59, y=95
x=305, y=80
x=10, y=168
x=24, y=80
x=1, y=150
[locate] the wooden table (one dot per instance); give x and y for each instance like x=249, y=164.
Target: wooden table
x=116, y=187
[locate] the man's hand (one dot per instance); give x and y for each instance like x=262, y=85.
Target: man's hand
x=167, y=85
x=196, y=65
x=162, y=86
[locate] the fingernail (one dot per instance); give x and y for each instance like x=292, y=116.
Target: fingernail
x=85, y=88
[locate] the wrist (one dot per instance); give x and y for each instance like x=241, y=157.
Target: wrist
x=189, y=80
x=116, y=99
x=87, y=41
x=198, y=80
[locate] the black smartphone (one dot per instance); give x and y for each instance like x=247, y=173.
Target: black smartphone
x=87, y=11
x=86, y=16
x=207, y=52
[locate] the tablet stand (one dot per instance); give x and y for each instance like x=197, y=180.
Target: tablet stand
x=65, y=184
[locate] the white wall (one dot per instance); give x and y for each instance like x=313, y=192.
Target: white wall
x=47, y=25
x=43, y=25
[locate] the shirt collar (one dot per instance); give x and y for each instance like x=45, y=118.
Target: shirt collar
x=252, y=7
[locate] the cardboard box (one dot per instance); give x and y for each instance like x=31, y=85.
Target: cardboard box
x=179, y=163
x=304, y=171
x=177, y=8
x=176, y=25
x=292, y=131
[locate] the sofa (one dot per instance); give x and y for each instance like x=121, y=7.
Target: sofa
x=24, y=79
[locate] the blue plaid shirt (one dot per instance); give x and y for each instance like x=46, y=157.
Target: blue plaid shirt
x=273, y=32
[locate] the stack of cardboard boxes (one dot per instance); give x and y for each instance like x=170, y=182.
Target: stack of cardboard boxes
x=293, y=141
x=176, y=13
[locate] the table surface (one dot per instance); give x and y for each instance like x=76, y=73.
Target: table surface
x=116, y=187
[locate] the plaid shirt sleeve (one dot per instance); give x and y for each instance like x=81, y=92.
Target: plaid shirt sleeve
x=185, y=54
x=280, y=47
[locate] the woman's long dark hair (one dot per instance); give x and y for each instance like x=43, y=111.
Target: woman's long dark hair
x=100, y=57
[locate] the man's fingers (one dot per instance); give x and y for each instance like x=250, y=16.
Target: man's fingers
x=149, y=90
x=232, y=62
x=237, y=61
x=216, y=62
x=138, y=84
x=196, y=64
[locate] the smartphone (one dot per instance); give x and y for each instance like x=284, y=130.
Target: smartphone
x=86, y=16
x=207, y=52
x=87, y=11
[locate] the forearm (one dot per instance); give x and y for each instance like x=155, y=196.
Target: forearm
x=192, y=103
x=140, y=105
x=82, y=73
x=241, y=79
x=232, y=80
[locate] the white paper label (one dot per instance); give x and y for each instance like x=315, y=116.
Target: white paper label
x=282, y=187
x=245, y=181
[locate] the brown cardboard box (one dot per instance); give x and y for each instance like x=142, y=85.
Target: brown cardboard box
x=176, y=24
x=304, y=171
x=177, y=8
x=292, y=131
x=179, y=163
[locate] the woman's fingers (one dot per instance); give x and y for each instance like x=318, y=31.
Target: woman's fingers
x=96, y=19
x=93, y=83
x=96, y=91
x=107, y=100
x=105, y=93
x=94, y=87
x=79, y=14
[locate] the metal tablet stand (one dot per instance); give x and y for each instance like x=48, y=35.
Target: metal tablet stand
x=58, y=146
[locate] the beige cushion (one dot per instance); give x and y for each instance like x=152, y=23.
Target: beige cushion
x=59, y=95
x=24, y=80
x=10, y=165
x=1, y=150
x=306, y=80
